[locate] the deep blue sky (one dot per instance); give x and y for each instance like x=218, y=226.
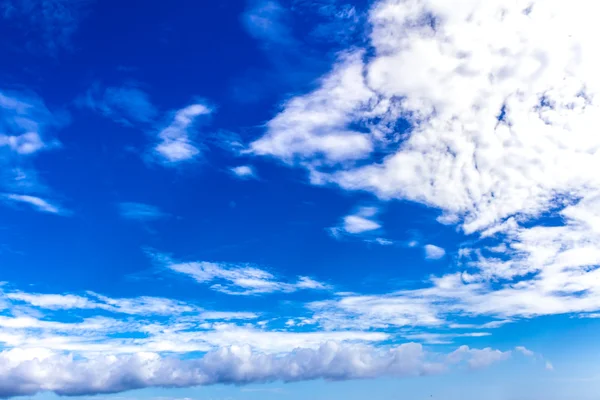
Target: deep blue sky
x=334, y=171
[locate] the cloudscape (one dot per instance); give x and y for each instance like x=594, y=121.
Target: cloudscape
x=300, y=199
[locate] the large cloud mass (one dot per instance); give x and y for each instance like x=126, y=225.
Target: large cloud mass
x=501, y=101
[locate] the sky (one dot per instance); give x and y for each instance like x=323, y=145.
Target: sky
x=299, y=199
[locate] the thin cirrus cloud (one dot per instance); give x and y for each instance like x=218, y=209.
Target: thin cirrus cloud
x=50, y=23
x=126, y=105
x=140, y=211
x=35, y=203
x=470, y=156
x=236, y=279
x=26, y=127
x=242, y=280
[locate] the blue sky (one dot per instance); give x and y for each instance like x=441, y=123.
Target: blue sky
x=263, y=199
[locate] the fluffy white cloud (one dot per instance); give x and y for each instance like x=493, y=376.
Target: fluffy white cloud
x=176, y=142
x=29, y=371
x=433, y=252
x=501, y=104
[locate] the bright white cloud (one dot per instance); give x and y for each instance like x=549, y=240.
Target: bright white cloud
x=501, y=100
x=28, y=371
x=176, y=142
x=244, y=171
x=140, y=211
x=433, y=252
x=37, y=203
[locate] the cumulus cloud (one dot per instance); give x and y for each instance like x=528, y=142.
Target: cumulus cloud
x=176, y=141
x=140, y=211
x=433, y=252
x=29, y=371
x=485, y=111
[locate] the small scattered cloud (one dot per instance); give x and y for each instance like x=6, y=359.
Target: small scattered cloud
x=433, y=252
x=176, y=141
x=140, y=211
x=549, y=366
x=36, y=203
x=237, y=279
x=361, y=221
x=244, y=172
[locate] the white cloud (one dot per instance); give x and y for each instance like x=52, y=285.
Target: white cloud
x=502, y=104
x=241, y=280
x=549, y=366
x=37, y=203
x=140, y=211
x=176, y=142
x=142, y=305
x=25, y=127
x=227, y=315
x=478, y=358
x=525, y=351
x=26, y=372
x=443, y=338
x=433, y=252
x=244, y=171
x=360, y=222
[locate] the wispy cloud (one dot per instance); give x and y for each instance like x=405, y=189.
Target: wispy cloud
x=237, y=279
x=36, y=203
x=45, y=25
x=126, y=105
x=140, y=211
x=266, y=21
x=26, y=127
x=176, y=141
